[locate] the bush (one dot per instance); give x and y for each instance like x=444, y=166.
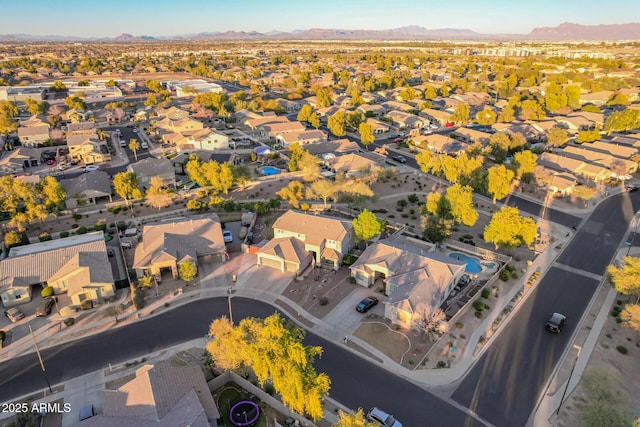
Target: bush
x=486, y=293
x=196, y=205
x=269, y=389
x=352, y=280
x=402, y=203
x=76, y=216
x=505, y=275
x=44, y=236
x=64, y=234
x=442, y=364
x=324, y=301
x=478, y=305
x=413, y=198
x=349, y=259
x=69, y=321
x=459, y=325
x=121, y=225
x=382, y=211
x=510, y=268
x=81, y=230
x=514, y=275
x=100, y=226
x=46, y=292
x=622, y=349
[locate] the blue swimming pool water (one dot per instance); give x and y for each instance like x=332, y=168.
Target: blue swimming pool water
x=473, y=264
x=268, y=170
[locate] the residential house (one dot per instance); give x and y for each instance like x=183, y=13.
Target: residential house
x=440, y=144
x=405, y=120
x=87, y=189
x=326, y=112
x=397, y=106
x=285, y=254
x=379, y=126
x=303, y=137
x=33, y=136
x=335, y=146
x=88, y=149
x=327, y=238
x=435, y=116
x=356, y=164
x=574, y=124
x=556, y=183
x=416, y=279
x=471, y=136
x=578, y=167
x=526, y=129
x=597, y=118
x=289, y=106
x=173, y=113
x=371, y=110
x=184, y=124
x=275, y=129
x=160, y=395
x=35, y=121
x=601, y=158
x=257, y=122
x=621, y=151
x=596, y=98
x=153, y=167
x=629, y=140
x=20, y=158
x=77, y=265
x=166, y=245
x=204, y=140
x=88, y=128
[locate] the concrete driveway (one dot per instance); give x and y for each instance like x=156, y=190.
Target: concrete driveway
x=345, y=314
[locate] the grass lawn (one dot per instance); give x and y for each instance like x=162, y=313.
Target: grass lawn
x=229, y=396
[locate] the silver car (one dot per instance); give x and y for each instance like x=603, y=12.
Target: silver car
x=380, y=417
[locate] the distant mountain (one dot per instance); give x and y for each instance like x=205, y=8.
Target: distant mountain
x=569, y=31
x=566, y=31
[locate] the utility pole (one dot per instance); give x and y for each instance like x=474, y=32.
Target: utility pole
x=570, y=375
x=40, y=358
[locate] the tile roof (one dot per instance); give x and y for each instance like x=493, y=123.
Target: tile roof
x=179, y=239
x=313, y=227
x=96, y=181
x=287, y=248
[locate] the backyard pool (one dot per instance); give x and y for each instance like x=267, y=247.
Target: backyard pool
x=268, y=170
x=474, y=265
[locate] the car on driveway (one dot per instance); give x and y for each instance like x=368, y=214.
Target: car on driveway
x=144, y=144
x=399, y=159
x=90, y=168
x=366, y=304
x=227, y=236
x=555, y=322
x=14, y=314
x=45, y=307
x=378, y=416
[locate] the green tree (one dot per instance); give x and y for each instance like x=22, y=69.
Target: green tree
x=75, y=102
x=293, y=192
x=356, y=419
x=531, y=110
x=444, y=91
x=322, y=189
x=158, y=195
x=134, y=146
x=461, y=202
x=499, y=181
x=626, y=120
x=460, y=114
x=507, y=115
x=626, y=278
x=127, y=186
x=366, y=134
x=555, y=98
x=435, y=230
x=584, y=193
x=525, y=163
x=557, y=137
x=499, y=144
x=187, y=271
x=486, y=117
x=273, y=348
x=336, y=124
x=507, y=228
x=590, y=108
x=295, y=154
x=430, y=92
x=407, y=93
x=367, y=226
x=630, y=317
x=618, y=99
x=573, y=96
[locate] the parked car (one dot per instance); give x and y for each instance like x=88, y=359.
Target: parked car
x=397, y=140
x=14, y=314
x=45, y=307
x=366, y=304
x=144, y=144
x=135, y=130
x=110, y=252
x=555, y=322
x=123, y=143
x=227, y=236
x=90, y=168
x=50, y=162
x=380, y=417
x=399, y=159
x=632, y=187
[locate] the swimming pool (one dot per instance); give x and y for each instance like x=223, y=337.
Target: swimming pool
x=268, y=170
x=474, y=265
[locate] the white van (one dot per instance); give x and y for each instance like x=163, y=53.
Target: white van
x=130, y=232
x=126, y=245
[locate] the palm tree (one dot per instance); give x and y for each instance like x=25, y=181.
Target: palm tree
x=134, y=146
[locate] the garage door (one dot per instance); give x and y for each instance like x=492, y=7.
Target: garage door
x=267, y=262
x=211, y=259
x=291, y=266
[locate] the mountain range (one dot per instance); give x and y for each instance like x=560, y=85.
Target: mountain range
x=565, y=31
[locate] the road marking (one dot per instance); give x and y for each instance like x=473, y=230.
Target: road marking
x=565, y=267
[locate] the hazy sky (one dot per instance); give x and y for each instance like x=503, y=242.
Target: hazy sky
x=90, y=18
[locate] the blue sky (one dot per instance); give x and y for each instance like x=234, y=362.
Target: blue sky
x=90, y=18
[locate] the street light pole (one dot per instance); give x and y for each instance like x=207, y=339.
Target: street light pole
x=35, y=343
x=229, y=295
x=570, y=375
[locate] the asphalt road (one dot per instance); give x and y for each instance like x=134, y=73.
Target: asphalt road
x=506, y=382
x=355, y=382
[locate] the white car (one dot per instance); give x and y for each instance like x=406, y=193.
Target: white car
x=228, y=237
x=144, y=144
x=90, y=168
x=135, y=130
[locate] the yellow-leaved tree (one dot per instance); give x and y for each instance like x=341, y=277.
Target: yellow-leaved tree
x=273, y=348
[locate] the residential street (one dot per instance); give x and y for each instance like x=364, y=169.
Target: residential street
x=355, y=381
x=506, y=382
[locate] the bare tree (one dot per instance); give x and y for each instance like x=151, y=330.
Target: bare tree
x=431, y=323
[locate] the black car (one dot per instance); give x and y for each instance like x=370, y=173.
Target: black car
x=366, y=304
x=45, y=307
x=555, y=322
x=399, y=159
